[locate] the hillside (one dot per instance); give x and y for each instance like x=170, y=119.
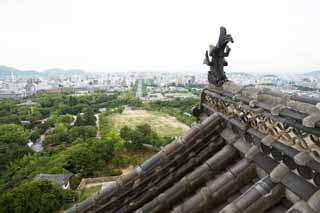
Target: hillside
x=5, y=72
x=315, y=73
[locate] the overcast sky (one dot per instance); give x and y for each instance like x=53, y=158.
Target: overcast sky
x=105, y=35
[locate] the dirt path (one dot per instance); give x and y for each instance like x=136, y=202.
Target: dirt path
x=97, y=115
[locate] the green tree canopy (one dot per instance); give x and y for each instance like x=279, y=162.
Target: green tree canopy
x=83, y=132
x=65, y=119
x=88, y=157
x=13, y=140
x=79, y=120
x=142, y=134
x=59, y=135
x=89, y=117
x=12, y=133
x=8, y=107
x=34, y=135
x=126, y=133
x=35, y=196
x=10, y=152
x=13, y=119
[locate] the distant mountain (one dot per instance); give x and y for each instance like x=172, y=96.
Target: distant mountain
x=315, y=73
x=6, y=72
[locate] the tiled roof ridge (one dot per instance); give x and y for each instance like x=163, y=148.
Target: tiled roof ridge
x=285, y=123
x=191, y=181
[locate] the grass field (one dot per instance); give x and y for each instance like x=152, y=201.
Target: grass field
x=162, y=123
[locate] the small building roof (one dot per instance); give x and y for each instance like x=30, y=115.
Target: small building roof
x=60, y=179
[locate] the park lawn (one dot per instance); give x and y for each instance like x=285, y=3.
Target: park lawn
x=165, y=125
x=179, y=94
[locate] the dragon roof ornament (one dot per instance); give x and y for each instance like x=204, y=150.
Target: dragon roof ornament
x=216, y=75
x=291, y=119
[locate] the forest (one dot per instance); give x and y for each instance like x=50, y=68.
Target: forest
x=67, y=127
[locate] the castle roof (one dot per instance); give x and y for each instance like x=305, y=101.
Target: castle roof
x=60, y=179
x=252, y=150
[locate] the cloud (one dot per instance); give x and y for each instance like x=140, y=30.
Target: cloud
x=102, y=35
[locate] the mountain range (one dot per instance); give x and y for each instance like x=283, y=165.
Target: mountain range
x=6, y=72
x=315, y=73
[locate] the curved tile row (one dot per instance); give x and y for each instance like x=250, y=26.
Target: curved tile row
x=218, y=190
x=191, y=182
x=181, y=165
x=310, y=170
x=143, y=194
x=295, y=183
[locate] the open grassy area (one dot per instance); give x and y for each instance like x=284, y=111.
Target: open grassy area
x=178, y=94
x=162, y=123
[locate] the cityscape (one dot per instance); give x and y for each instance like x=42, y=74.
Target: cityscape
x=152, y=85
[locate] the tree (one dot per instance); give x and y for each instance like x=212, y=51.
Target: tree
x=126, y=133
x=145, y=129
x=103, y=149
x=10, y=152
x=13, y=140
x=59, y=135
x=45, y=126
x=135, y=138
x=83, y=132
x=72, y=101
x=120, y=110
x=149, y=136
x=65, y=119
x=45, y=112
x=78, y=108
x=8, y=107
x=79, y=120
x=34, y=135
x=89, y=117
x=12, y=133
x=88, y=157
x=35, y=196
x=13, y=119
x=136, y=142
